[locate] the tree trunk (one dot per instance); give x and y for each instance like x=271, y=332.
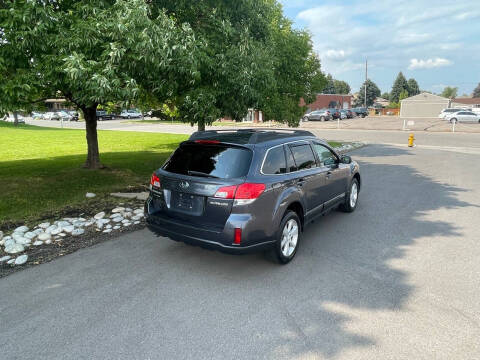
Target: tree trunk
x=15, y=118
x=201, y=125
x=93, y=156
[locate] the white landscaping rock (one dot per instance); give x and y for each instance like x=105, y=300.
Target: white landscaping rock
x=116, y=227
x=89, y=223
x=17, y=235
x=43, y=237
x=90, y=195
x=30, y=235
x=78, y=223
x=108, y=226
x=51, y=228
x=5, y=258
x=77, y=232
x=22, y=259
x=38, y=231
x=136, y=222
x=63, y=223
x=11, y=261
x=117, y=219
x=56, y=231
x=62, y=234
x=100, y=215
x=107, y=230
x=21, y=229
x=44, y=225
x=118, y=209
x=38, y=243
x=14, y=248
x=9, y=242
x=127, y=223
x=68, y=228
x=138, y=217
x=48, y=241
x=22, y=241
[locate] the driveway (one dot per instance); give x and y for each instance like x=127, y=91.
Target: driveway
x=397, y=279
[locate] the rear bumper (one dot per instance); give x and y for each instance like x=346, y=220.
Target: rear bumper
x=205, y=238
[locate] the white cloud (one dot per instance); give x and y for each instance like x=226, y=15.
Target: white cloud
x=335, y=54
x=429, y=63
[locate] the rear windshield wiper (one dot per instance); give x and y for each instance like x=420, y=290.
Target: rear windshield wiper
x=199, y=173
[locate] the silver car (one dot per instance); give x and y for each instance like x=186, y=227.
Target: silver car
x=463, y=116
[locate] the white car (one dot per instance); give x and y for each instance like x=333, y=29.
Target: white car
x=446, y=112
x=463, y=116
x=64, y=116
x=51, y=116
x=130, y=114
x=11, y=118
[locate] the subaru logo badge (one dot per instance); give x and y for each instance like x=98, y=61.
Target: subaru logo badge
x=184, y=185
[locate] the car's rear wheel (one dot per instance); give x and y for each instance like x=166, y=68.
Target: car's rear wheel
x=288, y=238
x=351, y=199
x=453, y=120
x=305, y=118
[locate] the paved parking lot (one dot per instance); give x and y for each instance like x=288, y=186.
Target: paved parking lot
x=397, y=279
x=394, y=123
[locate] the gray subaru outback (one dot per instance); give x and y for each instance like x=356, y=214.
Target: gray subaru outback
x=249, y=190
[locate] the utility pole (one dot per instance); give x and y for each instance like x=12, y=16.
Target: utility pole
x=366, y=78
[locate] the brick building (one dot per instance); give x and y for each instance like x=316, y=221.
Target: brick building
x=338, y=101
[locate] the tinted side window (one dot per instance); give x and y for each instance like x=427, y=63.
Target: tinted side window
x=291, y=166
x=303, y=156
x=324, y=154
x=275, y=161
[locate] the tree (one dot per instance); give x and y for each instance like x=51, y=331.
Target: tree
x=413, y=88
x=372, y=93
x=341, y=87
x=252, y=58
x=399, y=85
x=385, y=95
x=476, y=91
x=449, y=92
x=91, y=52
x=330, y=85
x=403, y=95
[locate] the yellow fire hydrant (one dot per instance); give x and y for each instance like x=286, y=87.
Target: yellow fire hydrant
x=410, y=141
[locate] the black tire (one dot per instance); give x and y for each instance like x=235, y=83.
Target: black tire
x=275, y=254
x=453, y=120
x=347, y=204
x=363, y=116
x=322, y=118
x=305, y=118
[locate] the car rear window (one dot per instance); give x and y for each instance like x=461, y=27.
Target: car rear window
x=213, y=160
x=303, y=156
x=275, y=161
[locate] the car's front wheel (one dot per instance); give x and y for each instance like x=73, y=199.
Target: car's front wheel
x=351, y=199
x=322, y=118
x=453, y=121
x=305, y=119
x=288, y=238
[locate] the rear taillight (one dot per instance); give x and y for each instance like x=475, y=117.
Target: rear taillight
x=155, y=180
x=242, y=194
x=237, y=237
x=226, y=192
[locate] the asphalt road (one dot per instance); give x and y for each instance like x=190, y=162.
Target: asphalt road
x=397, y=279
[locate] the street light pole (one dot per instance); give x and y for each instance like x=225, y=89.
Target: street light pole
x=366, y=79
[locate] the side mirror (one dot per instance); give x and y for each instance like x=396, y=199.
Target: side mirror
x=345, y=159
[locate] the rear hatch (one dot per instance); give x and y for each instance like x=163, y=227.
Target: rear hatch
x=193, y=184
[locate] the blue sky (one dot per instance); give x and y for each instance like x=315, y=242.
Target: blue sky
x=436, y=42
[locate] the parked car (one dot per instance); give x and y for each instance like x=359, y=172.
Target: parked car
x=103, y=115
x=51, y=116
x=130, y=114
x=65, y=116
x=360, y=111
x=73, y=114
x=36, y=115
x=11, y=118
x=463, y=116
x=249, y=190
x=445, y=112
x=335, y=113
x=348, y=113
x=320, y=115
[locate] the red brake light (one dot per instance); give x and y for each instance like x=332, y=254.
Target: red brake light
x=246, y=191
x=226, y=192
x=237, y=236
x=155, y=180
x=249, y=191
x=207, y=141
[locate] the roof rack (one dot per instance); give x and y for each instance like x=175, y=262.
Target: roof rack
x=255, y=133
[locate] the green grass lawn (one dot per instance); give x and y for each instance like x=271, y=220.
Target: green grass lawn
x=41, y=168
